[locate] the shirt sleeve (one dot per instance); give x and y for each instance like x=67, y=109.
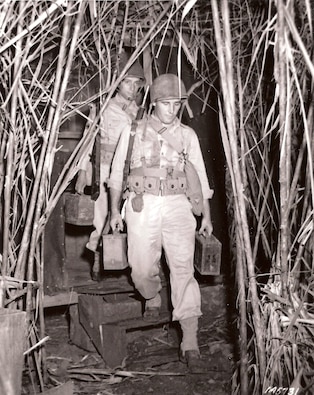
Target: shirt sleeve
x=115, y=179
x=196, y=157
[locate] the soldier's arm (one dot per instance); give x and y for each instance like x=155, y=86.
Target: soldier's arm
x=116, y=222
x=206, y=224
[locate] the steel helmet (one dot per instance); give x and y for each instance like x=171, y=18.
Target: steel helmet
x=135, y=70
x=167, y=86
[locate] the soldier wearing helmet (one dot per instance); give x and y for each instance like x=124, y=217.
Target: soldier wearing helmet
x=120, y=112
x=158, y=213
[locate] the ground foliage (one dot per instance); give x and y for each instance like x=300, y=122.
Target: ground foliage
x=152, y=365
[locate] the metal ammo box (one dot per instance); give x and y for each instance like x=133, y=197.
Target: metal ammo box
x=78, y=209
x=207, y=258
x=114, y=247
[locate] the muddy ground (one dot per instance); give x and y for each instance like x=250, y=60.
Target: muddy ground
x=152, y=365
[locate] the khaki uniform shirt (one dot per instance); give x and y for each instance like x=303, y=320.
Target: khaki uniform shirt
x=152, y=150
x=117, y=116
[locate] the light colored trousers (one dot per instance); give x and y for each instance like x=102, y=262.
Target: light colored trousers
x=165, y=222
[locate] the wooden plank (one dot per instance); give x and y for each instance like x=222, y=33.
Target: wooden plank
x=138, y=323
x=70, y=134
x=60, y=299
x=106, y=287
x=13, y=336
x=96, y=310
x=113, y=344
x=118, y=284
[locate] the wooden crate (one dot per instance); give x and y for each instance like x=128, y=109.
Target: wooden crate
x=78, y=334
x=207, y=258
x=108, y=318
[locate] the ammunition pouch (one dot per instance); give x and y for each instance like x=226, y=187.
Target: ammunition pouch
x=151, y=185
x=136, y=184
x=152, y=181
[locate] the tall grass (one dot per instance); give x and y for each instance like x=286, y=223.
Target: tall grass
x=267, y=130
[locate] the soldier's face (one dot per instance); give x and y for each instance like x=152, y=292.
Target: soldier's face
x=130, y=87
x=167, y=109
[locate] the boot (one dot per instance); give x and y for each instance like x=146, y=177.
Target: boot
x=152, y=309
x=194, y=362
x=189, y=351
x=95, y=272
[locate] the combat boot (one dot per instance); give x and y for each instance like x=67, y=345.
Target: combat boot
x=194, y=361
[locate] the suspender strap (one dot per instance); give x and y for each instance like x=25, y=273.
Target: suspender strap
x=127, y=162
x=95, y=189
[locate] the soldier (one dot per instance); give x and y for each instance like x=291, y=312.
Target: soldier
x=158, y=212
x=121, y=110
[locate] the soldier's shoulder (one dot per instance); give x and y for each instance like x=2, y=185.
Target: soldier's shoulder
x=113, y=105
x=187, y=130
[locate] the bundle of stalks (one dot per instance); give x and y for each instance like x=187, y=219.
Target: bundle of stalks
x=267, y=131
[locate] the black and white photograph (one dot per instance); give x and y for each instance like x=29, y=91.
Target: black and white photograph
x=157, y=197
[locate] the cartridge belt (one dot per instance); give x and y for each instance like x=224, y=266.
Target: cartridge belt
x=159, y=182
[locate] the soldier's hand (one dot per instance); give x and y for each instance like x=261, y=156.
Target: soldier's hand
x=81, y=182
x=116, y=222
x=206, y=228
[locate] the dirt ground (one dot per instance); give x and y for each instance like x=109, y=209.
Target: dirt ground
x=152, y=365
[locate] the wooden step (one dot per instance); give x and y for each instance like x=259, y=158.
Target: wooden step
x=107, y=323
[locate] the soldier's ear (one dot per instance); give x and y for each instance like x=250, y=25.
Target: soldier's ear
x=150, y=109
